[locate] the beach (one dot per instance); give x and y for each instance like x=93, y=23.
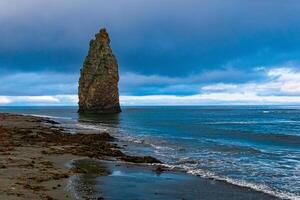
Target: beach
x=35, y=152
x=42, y=160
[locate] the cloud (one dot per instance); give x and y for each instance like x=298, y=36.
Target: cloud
x=280, y=81
x=149, y=37
x=280, y=87
x=55, y=83
x=276, y=85
x=211, y=99
x=246, y=98
x=57, y=100
x=4, y=100
x=139, y=84
x=189, y=51
x=286, y=80
x=225, y=73
x=38, y=84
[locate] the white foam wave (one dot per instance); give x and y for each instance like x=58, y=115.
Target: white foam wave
x=158, y=147
x=134, y=139
x=153, y=144
x=236, y=122
x=72, y=181
x=252, y=122
x=241, y=183
x=90, y=127
x=48, y=116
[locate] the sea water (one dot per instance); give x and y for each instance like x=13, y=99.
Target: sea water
x=249, y=146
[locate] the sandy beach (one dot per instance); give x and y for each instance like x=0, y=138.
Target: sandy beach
x=34, y=152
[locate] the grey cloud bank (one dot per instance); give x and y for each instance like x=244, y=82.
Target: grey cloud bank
x=166, y=47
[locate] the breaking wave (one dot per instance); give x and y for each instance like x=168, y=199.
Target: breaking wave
x=241, y=183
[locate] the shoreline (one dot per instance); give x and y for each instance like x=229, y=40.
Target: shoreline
x=35, y=150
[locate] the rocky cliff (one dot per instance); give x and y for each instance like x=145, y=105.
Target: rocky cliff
x=98, y=83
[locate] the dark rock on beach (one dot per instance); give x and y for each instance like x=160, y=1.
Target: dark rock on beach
x=98, y=84
x=88, y=166
x=136, y=159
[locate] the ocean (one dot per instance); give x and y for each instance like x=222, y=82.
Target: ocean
x=249, y=146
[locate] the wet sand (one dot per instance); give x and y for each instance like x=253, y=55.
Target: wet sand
x=34, y=152
x=41, y=160
x=141, y=182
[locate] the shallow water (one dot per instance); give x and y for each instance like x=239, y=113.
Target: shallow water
x=252, y=146
x=127, y=181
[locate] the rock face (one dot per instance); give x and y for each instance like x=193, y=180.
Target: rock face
x=98, y=83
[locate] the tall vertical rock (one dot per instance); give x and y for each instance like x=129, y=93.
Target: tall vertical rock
x=98, y=83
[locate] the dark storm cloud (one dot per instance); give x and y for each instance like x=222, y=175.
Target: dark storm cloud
x=165, y=38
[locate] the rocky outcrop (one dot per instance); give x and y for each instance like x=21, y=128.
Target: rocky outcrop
x=98, y=84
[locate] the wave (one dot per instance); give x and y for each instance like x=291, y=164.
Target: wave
x=266, y=111
x=90, y=127
x=241, y=183
x=253, y=122
x=159, y=145
x=191, y=166
x=48, y=116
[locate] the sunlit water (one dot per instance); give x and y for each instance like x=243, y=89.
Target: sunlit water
x=256, y=147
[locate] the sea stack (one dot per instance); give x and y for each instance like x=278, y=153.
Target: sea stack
x=98, y=84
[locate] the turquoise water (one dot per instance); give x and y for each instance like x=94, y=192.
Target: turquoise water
x=249, y=146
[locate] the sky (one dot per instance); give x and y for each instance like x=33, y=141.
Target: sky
x=170, y=52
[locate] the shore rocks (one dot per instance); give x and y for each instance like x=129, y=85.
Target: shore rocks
x=138, y=159
x=98, y=83
x=89, y=166
x=17, y=131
